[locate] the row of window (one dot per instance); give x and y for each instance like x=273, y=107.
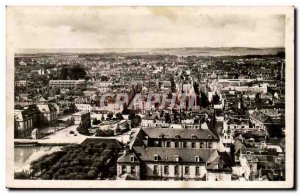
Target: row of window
x=176, y=170
x=185, y=144
x=165, y=170
x=132, y=169
x=235, y=127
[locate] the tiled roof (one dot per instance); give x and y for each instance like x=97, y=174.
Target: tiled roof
x=181, y=133
x=127, y=157
x=261, y=117
x=169, y=154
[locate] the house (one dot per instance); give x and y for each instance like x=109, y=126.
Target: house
x=83, y=107
x=67, y=84
x=258, y=161
x=160, y=163
x=48, y=114
x=25, y=120
x=174, y=154
x=260, y=120
x=81, y=117
x=148, y=121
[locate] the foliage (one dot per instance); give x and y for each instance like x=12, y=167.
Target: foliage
x=76, y=162
x=136, y=121
x=22, y=175
x=124, y=129
x=110, y=115
x=104, y=133
x=73, y=73
x=204, y=100
x=96, y=121
x=83, y=127
x=119, y=116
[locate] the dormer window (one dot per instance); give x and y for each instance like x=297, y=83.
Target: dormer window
x=156, y=157
x=177, y=136
x=197, y=158
x=132, y=159
x=176, y=158
x=194, y=136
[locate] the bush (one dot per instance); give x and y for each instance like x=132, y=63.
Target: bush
x=104, y=133
x=96, y=121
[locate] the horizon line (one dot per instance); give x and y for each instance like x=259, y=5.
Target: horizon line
x=49, y=50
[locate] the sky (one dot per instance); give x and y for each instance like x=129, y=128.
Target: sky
x=141, y=27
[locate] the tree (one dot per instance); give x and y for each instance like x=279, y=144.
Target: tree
x=96, y=121
x=119, y=116
x=204, y=100
x=74, y=73
x=83, y=128
x=131, y=115
x=110, y=115
x=216, y=99
x=136, y=121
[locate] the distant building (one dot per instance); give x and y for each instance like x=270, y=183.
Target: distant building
x=21, y=83
x=69, y=84
x=81, y=117
x=48, y=113
x=84, y=107
x=25, y=121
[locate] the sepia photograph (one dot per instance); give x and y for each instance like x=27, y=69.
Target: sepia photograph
x=150, y=97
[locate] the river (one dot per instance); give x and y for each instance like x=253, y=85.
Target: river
x=24, y=155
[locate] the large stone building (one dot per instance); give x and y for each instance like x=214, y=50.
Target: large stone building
x=174, y=154
x=25, y=120
x=69, y=84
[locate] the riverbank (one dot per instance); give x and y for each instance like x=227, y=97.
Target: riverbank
x=65, y=137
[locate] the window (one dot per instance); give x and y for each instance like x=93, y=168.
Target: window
x=197, y=159
x=215, y=166
x=176, y=144
x=131, y=158
x=166, y=169
x=132, y=169
x=176, y=158
x=197, y=171
x=168, y=144
x=123, y=169
x=184, y=144
x=155, y=169
x=187, y=170
x=156, y=157
x=176, y=170
x=201, y=145
x=210, y=145
x=193, y=145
